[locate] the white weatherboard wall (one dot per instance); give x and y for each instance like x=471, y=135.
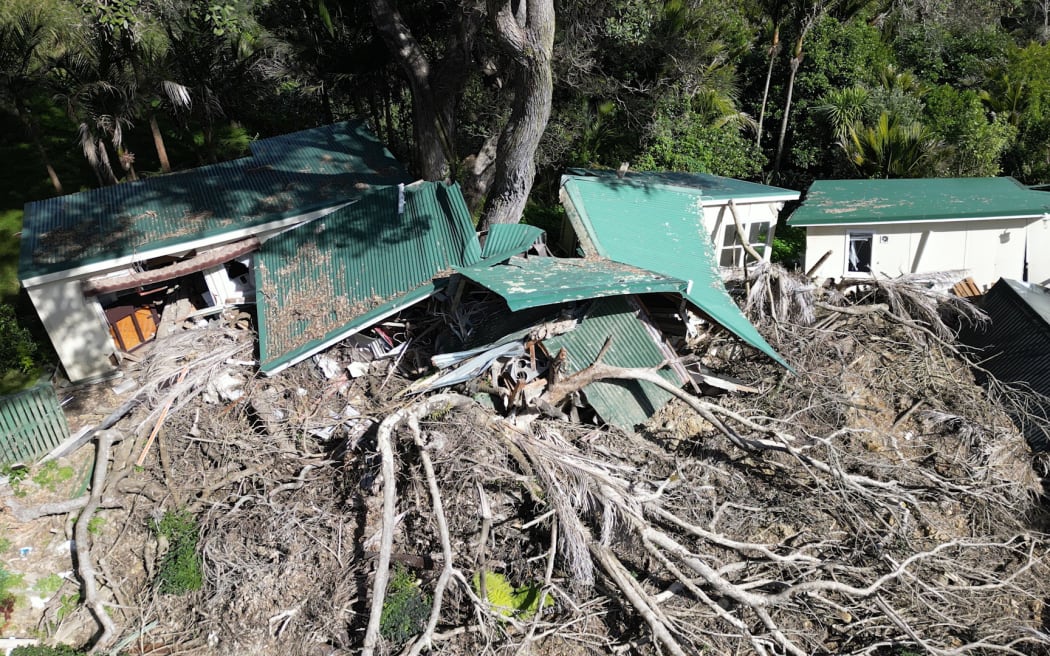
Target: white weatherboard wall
x=1039, y=251
x=986, y=249
x=718, y=220
x=77, y=328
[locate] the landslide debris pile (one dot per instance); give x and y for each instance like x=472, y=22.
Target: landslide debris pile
x=875, y=501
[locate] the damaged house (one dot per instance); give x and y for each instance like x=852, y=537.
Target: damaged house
x=324, y=234
x=103, y=266
x=983, y=228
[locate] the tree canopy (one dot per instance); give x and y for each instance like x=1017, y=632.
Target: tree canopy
x=494, y=94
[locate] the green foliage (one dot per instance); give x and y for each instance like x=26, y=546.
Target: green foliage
x=69, y=604
x=50, y=475
x=95, y=525
x=48, y=585
x=405, y=609
x=976, y=141
x=180, y=568
x=5, y=544
x=547, y=217
x=891, y=149
x=523, y=602
x=9, y=582
x=789, y=246
x=681, y=139
x=15, y=474
x=18, y=350
x=43, y=650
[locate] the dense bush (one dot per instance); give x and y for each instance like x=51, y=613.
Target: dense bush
x=18, y=351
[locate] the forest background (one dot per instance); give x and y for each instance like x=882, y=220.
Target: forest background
x=95, y=92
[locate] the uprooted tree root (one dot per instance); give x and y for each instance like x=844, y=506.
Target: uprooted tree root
x=877, y=502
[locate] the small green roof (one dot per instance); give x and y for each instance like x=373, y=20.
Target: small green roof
x=329, y=278
x=660, y=229
x=713, y=187
x=526, y=282
x=623, y=403
x=851, y=202
x=291, y=175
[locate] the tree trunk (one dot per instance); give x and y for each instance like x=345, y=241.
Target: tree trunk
x=774, y=49
x=432, y=116
x=34, y=135
x=795, y=61
x=529, y=37
x=158, y=141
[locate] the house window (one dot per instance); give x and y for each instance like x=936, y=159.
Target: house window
x=859, y=260
x=732, y=253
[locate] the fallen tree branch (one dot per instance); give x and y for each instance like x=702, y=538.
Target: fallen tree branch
x=85, y=564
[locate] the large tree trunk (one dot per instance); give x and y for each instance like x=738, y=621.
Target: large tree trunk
x=529, y=37
x=158, y=141
x=435, y=88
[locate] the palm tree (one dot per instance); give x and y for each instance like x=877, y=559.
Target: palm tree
x=890, y=149
x=842, y=109
x=95, y=88
x=23, y=74
x=150, y=60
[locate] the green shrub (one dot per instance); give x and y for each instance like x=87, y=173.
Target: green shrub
x=18, y=350
x=522, y=602
x=406, y=609
x=180, y=568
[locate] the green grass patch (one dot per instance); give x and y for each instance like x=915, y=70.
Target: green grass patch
x=180, y=568
x=51, y=475
x=48, y=585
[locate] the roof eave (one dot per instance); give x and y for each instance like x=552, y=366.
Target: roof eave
x=87, y=270
x=909, y=220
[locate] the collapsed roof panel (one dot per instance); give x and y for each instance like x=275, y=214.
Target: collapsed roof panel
x=661, y=229
x=635, y=343
x=526, y=282
x=327, y=279
x=506, y=239
x=96, y=226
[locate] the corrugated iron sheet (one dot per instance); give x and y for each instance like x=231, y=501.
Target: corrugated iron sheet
x=661, y=229
x=329, y=278
x=1016, y=348
x=507, y=239
x=635, y=343
x=102, y=224
x=526, y=282
x=713, y=187
x=843, y=202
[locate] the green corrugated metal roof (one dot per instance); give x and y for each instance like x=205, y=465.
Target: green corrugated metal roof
x=713, y=187
x=845, y=202
x=506, y=239
x=660, y=229
x=620, y=403
x=329, y=278
x=292, y=174
x=526, y=282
